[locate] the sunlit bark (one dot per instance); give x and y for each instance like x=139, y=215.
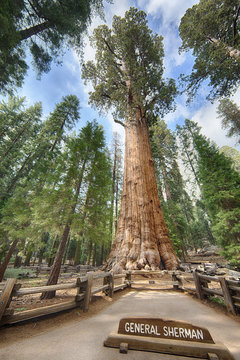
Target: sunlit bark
x=142, y=240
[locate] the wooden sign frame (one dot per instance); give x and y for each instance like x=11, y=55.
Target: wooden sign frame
x=145, y=334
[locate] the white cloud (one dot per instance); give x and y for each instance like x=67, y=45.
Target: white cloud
x=117, y=8
x=169, y=10
x=208, y=119
x=181, y=112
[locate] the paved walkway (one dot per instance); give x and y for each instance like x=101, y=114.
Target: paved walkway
x=84, y=340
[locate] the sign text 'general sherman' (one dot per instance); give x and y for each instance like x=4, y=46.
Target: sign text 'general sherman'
x=164, y=329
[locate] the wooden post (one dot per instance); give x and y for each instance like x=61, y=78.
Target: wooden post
x=79, y=290
x=6, y=295
x=174, y=278
x=227, y=296
x=87, y=297
x=198, y=285
x=129, y=278
x=109, y=280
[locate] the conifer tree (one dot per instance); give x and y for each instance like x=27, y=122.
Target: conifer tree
x=64, y=194
x=220, y=194
x=29, y=148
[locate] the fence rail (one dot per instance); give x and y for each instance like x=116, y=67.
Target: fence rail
x=86, y=287
x=229, y=290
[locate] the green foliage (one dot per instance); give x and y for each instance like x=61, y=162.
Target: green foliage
x=233, y=154
x=211, y=30
x=229, y=112
x=188, y=153
x=220, y=192
x=28, y=151
x=28, y=144
x=44, y=28
x=19, y=128
x=217, y=300
x=128, y=67
x=77, y=191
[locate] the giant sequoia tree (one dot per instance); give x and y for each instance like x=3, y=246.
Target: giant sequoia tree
x=128, y=78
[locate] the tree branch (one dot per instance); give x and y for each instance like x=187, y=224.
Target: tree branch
x=111, y=50
x=235, y=25
x=232, y=52
x=119, y=122
x=34, y=30
x=106, y=95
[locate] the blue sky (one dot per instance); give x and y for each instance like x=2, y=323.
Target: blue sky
x=163, y=18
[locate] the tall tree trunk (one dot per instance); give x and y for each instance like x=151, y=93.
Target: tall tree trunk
x=66, y=250
x=77, y=254
x=94, y=255
x=17, y=261
x=102, y=254
x=54, y=246
x=55, y=271
x=28, y=257
x=7, y=258
x=167, y=189
x=142, y=240
x=89, y=256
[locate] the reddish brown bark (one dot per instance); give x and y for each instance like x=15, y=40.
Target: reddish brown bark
x=55, y=271
x=4, y=265
x=142, y=240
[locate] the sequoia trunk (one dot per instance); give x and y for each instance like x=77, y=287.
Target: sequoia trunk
x=142, y=240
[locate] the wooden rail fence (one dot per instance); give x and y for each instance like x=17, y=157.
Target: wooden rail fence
x=84, y=286
x=89, y=285
x=229, y=290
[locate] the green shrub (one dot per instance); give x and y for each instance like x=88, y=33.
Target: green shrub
x=18, y=273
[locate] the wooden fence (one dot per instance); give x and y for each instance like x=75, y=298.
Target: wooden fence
x=90, y=285
x=229, y=290
x=85, y=289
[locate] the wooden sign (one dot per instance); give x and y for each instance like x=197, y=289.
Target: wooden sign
x=164, y=329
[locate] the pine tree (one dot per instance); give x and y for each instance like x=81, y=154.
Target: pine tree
x=221, y=195
x=29, y=149
x=65, y=192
